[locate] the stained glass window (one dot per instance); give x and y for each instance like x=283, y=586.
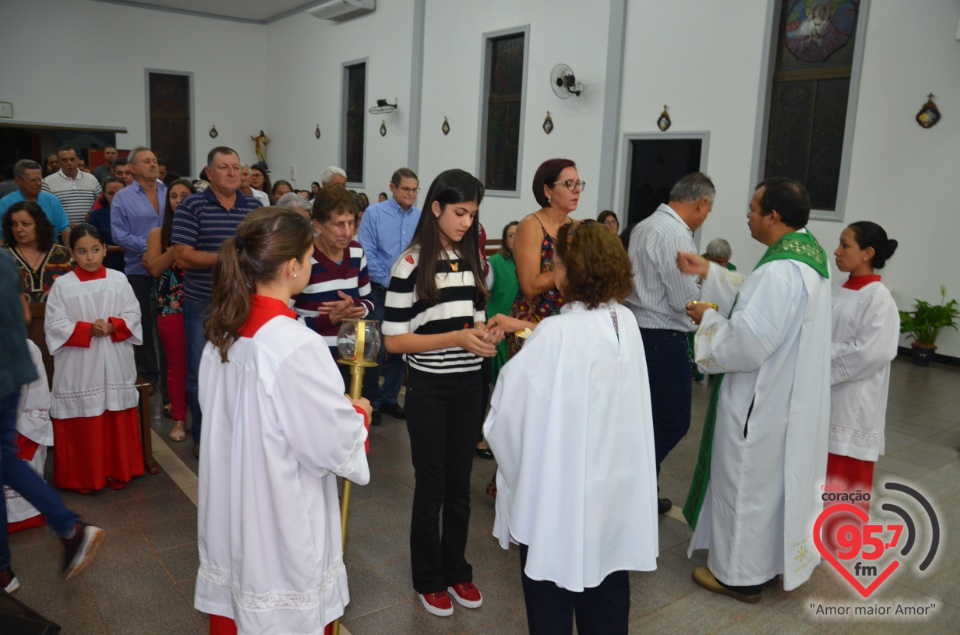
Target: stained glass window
x=809, y=95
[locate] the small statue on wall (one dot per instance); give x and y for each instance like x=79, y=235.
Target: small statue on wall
x=260, y=143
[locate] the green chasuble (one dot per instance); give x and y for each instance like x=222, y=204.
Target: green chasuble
x=802, y=247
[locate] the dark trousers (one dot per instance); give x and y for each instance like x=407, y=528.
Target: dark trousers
x=194, y=314
x=391, y=363
x=668, y=368
x=146, y=355
x=443, y=419
x=600, y=610
x=21, y=477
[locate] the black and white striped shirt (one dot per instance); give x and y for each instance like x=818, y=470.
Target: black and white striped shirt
x=404, y=313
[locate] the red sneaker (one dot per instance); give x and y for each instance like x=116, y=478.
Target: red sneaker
x=438, y=604
x=466, y=594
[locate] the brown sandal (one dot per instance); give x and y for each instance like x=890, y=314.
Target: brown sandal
x=492, y=488
x=179, y=431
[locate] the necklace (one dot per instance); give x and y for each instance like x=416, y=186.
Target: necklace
x=36, y=261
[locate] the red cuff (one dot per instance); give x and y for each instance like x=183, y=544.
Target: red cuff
x=366, y=424
x=82, y=335
x=120, y=330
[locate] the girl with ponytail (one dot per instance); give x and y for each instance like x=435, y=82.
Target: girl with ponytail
x=278, y=430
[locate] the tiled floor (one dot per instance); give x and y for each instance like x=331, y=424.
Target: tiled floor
x=142, y=581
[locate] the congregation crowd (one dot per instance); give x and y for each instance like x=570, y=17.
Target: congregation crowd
x=568, y=357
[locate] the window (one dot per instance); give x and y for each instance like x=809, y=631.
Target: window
x=812, y=98
x=502, y=116
x=355, y=98
x=169, y=114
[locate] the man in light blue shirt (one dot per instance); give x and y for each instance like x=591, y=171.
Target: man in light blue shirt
x=137, y=209
x=27, y=174
x=385, y=232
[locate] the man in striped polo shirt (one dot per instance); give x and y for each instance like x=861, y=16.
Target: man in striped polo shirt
x=77, y=190
x=659, y=302
x=201, y=223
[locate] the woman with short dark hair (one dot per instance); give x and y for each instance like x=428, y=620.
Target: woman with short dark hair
x=557, y=188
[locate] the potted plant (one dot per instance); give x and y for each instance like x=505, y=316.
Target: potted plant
x=923, y=324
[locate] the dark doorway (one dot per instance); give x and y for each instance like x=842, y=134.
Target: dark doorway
x=170, y=120
x=655, y=166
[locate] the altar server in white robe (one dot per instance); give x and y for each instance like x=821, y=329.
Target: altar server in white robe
x=36, y=432
x=278, y=430
x=866, y=332
x=570, y=424
x=92, y=323
x=757, y=490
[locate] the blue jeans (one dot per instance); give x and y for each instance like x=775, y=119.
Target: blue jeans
x=21, y=477
x=671, y=390
x=194, y=313
x=392, y=362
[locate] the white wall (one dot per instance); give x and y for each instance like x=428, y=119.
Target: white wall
x=83, y=63
x=901, y=174
x=453, y=72
x=700, y=58
x=303, y=87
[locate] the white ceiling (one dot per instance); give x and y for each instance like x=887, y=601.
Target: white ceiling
x=243, y=10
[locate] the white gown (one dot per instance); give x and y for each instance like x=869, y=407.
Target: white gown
x=866, y=332
x=277, y=430
x=89, y=381
x=33, y=422
x=570, y=424
x=770, y=442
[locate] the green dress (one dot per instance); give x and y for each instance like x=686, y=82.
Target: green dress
x=502, y=294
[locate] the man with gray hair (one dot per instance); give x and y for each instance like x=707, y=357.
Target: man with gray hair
x=333, y=176
x=720, y=252
x=659, y=302
x=27, y=175
x=135, y=211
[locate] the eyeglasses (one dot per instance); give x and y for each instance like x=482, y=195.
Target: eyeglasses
x=409, y=190
x=572, y=185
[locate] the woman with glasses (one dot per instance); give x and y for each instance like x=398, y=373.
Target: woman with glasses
x=557, y=187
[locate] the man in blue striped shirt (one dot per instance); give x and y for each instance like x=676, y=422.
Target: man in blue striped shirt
x=659, y=302
x=202, y=223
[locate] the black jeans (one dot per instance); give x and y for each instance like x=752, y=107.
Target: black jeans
x=668, y=368
x=600, y=610
x=148, y=362
x=443, y=419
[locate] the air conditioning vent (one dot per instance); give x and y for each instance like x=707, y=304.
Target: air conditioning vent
x=343, y=10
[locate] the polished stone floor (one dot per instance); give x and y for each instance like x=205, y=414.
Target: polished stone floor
x=142, y=580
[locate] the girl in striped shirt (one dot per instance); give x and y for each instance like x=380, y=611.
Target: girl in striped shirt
x=434, y=314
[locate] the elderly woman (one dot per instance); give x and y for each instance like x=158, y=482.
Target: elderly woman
x=571, y=427
x=30, y=240
x=557, y=187
x=339, y=286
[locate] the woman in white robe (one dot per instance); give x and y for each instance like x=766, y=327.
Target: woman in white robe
x=571, y=427
x=866, y=332
x=277, y=433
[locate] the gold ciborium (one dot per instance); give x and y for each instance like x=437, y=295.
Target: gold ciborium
x=359, y=344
